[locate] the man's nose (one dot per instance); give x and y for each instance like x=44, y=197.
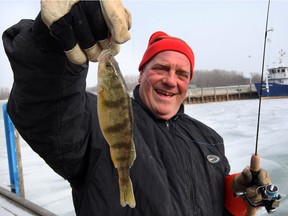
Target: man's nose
x=170, y=78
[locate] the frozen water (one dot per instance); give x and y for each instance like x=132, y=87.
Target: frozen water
x=235, y=121
x=42, y=185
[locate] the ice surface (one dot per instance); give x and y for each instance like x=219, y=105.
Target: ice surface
x=235, y=121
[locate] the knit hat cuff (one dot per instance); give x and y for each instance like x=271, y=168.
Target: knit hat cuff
x=159, y=42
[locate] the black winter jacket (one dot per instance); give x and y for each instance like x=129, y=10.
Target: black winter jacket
x=171, y=175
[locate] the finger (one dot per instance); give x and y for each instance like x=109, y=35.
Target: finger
x=62, y=30
x=247, y=174
x=118, y=20
x=107, y=44
x=253, y=194
x=76, y=55
x=263, y=177
x=81, y=27
x=96, y=20
x=128, y=18
x=93, y=52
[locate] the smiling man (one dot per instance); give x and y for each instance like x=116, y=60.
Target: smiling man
x=165, y=71
x=180, y=168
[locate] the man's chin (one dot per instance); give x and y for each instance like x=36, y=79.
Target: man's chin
x=164, y=114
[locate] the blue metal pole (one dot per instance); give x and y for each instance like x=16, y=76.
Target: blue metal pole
x=11, y=152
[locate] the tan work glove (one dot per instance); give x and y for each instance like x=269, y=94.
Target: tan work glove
x=85, y=28
x=242, y=183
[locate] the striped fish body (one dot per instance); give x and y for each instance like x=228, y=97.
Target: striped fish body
x=116, y=119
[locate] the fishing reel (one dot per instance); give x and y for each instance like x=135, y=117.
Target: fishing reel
x=270, y=197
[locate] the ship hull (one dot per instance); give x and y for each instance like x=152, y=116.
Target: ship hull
x=275, y=90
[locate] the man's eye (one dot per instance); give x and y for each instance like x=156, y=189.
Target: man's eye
x=183, y=75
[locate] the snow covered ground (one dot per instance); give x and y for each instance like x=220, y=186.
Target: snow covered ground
x=236, y=121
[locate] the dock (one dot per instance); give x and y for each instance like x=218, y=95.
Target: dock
x=12, y=205
x=222, y=93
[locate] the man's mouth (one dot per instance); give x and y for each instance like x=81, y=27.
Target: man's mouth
x=169, y=94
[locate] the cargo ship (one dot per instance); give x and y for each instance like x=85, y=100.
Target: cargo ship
x=276, y=82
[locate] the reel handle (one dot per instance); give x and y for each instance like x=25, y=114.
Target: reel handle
x=254, y=167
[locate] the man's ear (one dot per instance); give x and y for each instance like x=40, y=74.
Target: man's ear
x=140, y=76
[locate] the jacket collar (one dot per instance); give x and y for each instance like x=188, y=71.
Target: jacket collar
x=137, y=98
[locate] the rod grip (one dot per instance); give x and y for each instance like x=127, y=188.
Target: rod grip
x=255, y=163
x=254, y=167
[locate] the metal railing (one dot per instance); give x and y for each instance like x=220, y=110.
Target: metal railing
x=226, y=91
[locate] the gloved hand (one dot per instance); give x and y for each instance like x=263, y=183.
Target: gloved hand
x=243, y=183
x=85, y=28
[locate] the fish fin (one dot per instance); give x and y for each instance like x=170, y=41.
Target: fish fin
x=127, y=194
x=133, y=154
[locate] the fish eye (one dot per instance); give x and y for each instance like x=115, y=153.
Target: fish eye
x=109, y=65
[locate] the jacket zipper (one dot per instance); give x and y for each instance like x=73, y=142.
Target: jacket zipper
x=167, y=124
x=189, y=188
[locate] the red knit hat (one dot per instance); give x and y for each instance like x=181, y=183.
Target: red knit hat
x=159, y=42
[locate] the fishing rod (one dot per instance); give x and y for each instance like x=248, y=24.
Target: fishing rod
x=262, y=77
x=269, y=193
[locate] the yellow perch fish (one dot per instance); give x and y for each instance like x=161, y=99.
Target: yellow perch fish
x=116, y=118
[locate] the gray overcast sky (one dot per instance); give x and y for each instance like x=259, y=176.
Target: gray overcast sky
x=223, y=34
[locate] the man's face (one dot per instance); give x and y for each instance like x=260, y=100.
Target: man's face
x=164, y=82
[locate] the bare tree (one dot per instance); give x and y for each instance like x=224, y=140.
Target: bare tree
x=214, y=78
x=131, y=81
x=4, y=93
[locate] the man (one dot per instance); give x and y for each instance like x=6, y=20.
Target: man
x=180, y=169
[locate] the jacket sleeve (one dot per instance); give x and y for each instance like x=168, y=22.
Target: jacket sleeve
x=48, y=103
x=234, y=205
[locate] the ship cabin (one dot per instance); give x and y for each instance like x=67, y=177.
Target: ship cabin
x=278, y=75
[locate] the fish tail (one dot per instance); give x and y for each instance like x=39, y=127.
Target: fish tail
x=126, y=193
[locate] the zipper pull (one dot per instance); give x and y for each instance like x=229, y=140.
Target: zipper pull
x=167, y=124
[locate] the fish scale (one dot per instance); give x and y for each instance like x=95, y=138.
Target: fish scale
x=116, y=120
